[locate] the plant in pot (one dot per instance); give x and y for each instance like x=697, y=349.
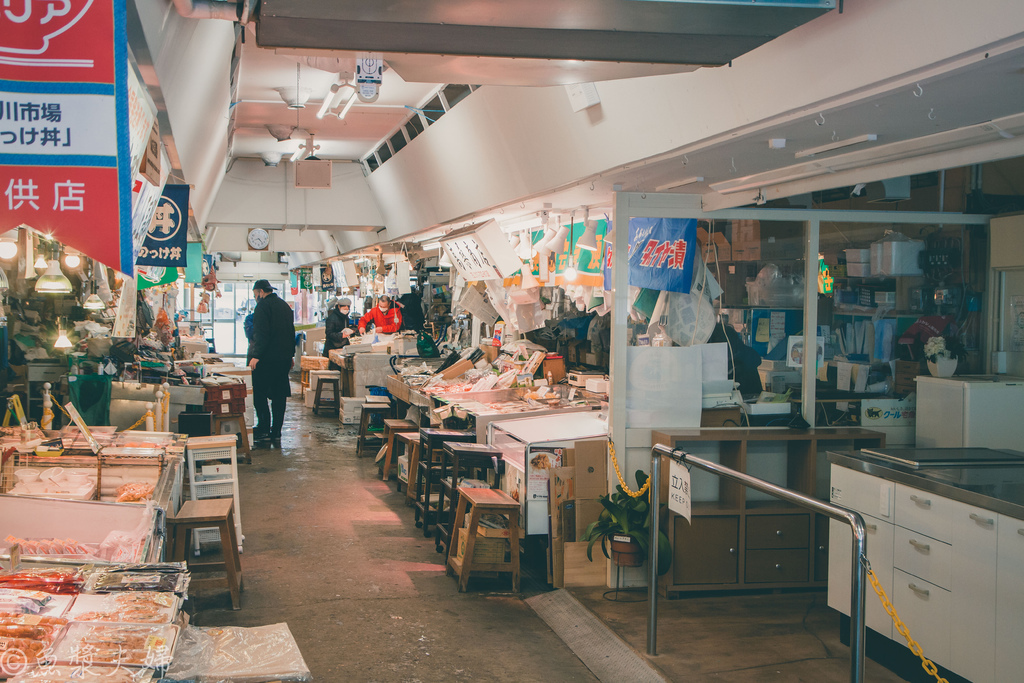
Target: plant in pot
x=624, y=527
x=942, y=354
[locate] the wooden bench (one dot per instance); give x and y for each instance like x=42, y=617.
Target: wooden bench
x=202, y=514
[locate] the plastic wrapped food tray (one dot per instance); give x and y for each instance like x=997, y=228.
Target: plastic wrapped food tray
x=133, y=645
x=232, y=654
x=92, y=674
x=143, y=607
x=131, y=581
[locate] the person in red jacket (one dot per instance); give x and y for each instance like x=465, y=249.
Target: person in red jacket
x=385, y=319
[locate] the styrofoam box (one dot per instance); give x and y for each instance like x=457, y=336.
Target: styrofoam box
x=896, y=418
x=858, y=256
x=858, y=269
x=351, y=417
x=895, y=257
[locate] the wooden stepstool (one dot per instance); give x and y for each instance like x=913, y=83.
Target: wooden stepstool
x=481, y=502
x=392, y=428
x=202, y=514
x=334, y=380
x=370, y=409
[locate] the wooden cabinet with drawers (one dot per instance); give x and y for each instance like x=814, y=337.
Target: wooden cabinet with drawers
x=742, y=539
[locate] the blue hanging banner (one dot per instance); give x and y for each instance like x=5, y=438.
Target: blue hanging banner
x=661, y=253
x=165, y=243
x=327, y=277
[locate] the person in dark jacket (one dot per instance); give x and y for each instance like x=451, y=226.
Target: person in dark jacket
x=338, y=328
x=272, y=351
x=412, y=311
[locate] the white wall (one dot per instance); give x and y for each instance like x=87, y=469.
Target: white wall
x=503, y=144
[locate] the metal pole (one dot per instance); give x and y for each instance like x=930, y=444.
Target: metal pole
x=855, y=521
x=652, y=585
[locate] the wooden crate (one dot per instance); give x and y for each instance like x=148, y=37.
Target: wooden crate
x=906, y=374
x=314, y=363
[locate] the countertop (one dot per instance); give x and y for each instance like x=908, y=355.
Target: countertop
x=992, y=487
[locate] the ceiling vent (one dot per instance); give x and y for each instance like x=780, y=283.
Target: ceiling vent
x=889, y=191
x=313, y=174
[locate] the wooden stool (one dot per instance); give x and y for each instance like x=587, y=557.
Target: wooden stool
x=381, y=400
x=428, y=472
x=369, y=409
x=201, y=514
x=243, y=433
x=391, y=429
x=481, y=502
x=456, y=459
x=410, y=444
x=335, y=404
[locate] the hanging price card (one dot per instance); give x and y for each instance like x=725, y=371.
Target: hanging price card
x=679, y=489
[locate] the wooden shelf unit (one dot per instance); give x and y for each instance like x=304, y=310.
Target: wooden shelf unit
x=739, y=543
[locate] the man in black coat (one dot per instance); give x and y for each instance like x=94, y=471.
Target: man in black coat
x=273, y=352
x=412, y=311
x=338, y=327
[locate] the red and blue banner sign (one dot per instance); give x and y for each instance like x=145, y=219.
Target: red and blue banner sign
x=64, y=147
x=661, y=253
x=166, y=244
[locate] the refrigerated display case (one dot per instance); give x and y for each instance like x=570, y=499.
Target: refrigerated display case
x=530, y=447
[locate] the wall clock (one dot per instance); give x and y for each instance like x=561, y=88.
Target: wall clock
x=258, y=239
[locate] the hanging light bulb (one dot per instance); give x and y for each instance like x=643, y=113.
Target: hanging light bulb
x=9, y=245
x=62, y=339
x=72, y=260
x=53, y=280
x=93, y=303
x=40, y=263
x=570, y=273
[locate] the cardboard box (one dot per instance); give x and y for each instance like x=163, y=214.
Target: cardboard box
x=708, y=244
x=896, y=418
x=586, y=512
x=560, y=490
x=555, y=366
x=591, y=463
x=457, y=370
x=578, y=571
x=906, y=374
x=746, y=240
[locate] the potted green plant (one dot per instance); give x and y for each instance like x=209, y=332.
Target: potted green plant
x=624, y=527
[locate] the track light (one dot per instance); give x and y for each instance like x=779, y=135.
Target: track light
x=588, y=240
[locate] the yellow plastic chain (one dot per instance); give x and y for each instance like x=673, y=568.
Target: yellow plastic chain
x=622, y=482
x=927, y=664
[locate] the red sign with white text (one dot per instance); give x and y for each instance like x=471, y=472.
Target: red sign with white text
x=47, y=40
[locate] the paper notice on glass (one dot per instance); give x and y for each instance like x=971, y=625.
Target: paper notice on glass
x=761, y=335
x=844, y=374
x=679, y=489
x=716, y=361
x=663, y=386
x=860, y=384
x=777, y=331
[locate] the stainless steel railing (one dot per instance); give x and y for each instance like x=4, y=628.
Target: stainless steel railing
x=859, y=563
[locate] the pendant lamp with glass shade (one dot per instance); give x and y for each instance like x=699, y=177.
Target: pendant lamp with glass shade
x=93, y=303
x=62, y=339
x=40, y=263
x=9, y=245
x=53, y=280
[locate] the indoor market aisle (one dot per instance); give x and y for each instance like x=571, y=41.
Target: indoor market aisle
x=332, y=550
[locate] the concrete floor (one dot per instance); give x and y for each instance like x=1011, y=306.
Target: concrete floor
x=332, y=550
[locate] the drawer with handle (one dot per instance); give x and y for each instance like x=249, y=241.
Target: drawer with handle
x=925, y=609
x=772, y=566
x=778, y=531
x=924, y=512
x=922, y=556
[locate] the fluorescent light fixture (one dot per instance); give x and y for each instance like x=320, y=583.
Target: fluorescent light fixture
x=298, y=153
x=333, y=98
x=680, y=183
x=348, y=105
x=53, y=280
x=430, y=245
x=839, y=144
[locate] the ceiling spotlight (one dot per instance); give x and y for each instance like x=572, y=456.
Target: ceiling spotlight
x=588, y=240
x=280, y=133
x=294, y=97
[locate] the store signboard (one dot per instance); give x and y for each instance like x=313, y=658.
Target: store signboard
x=586, y=263
x=482, y=253
x=64, y=140
x=327, y=277
x=661, y=253
x=166, y=243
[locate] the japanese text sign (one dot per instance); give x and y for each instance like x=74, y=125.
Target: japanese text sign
x=165, y=243
x=661, y=253
x=64, y=153
x=482, y=253
x=679, y=500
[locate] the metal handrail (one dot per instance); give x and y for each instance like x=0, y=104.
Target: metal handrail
x=855, y=521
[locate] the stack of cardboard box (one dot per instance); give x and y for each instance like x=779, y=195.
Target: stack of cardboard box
x=573, y=503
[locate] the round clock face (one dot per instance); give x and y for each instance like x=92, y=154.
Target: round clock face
x=259, y=238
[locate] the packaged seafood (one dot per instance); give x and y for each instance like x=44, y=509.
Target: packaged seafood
x=161, y=578
x=24, y=639
x=129, y=608
x=79, y=674
x=56, y=580
x=119, y=644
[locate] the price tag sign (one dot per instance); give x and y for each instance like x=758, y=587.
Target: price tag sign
x=679, y=489
x=15, y=555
